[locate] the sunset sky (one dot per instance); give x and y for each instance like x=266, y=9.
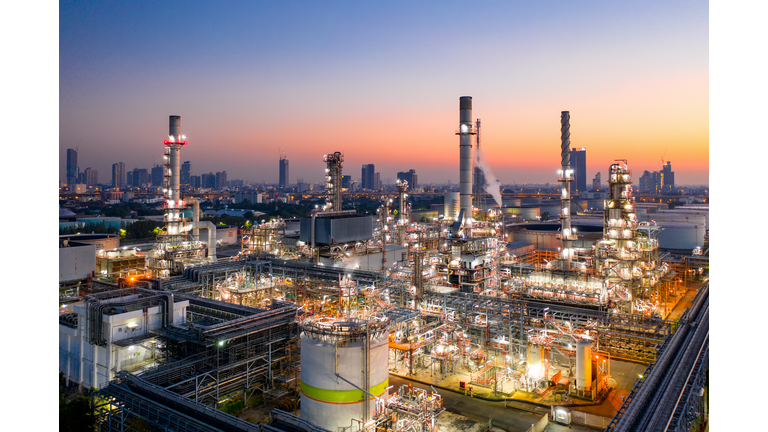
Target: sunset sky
x=381, y=81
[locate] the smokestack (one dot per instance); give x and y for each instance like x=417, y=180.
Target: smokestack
x=465, y=151
x=565, y=177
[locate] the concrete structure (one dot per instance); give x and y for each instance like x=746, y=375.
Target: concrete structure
x=118, y=175
x=76, y=260
x=451, y=202
x=110, y=332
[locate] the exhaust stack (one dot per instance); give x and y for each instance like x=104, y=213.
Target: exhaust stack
x=565, y=176
x=465, y=154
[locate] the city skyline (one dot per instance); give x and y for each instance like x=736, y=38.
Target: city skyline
x=636, y=84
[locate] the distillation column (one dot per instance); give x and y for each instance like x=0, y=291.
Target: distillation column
x=565, y=176
x=174, y=204
x=333, y=181
x=465, y=153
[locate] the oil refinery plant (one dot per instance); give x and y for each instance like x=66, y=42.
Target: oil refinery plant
x=312, y=324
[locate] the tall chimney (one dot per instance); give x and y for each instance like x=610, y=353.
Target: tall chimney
x=465, y=150
x=565, y=178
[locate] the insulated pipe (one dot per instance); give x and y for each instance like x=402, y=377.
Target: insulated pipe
x=195, y=218
x=465, y=155
x=211, y=235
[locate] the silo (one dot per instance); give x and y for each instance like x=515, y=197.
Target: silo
x=339, y=357
x=535, y=368
x=584, y=364
x=451, y=200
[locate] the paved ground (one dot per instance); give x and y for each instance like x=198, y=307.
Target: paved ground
x=479, y=410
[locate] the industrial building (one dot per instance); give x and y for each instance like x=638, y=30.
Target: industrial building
x=312, y=316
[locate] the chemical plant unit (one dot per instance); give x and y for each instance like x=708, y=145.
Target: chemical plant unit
x=317, y=322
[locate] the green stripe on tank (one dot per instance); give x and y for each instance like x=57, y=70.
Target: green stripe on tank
x=341, y=395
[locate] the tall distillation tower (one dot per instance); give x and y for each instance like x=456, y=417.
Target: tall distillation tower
x=333, y=181
x=565, y=176
x=465, y=156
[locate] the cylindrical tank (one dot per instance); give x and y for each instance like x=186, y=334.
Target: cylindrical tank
x=465, y=155
x=347, y=347
x=583, y=364
x=535, y=369
x=451, y=200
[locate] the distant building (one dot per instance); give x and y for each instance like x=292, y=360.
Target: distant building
x=158, y=175
x=195, y=182
x=139, y=177
x=118, y=175
x=236, y=183
x=284, y=181
x=597, y=183
x=208, y=181
x=185, y=175
x=376, y=182
x=411, y=177
x=579, y=167
x=368, y=174
x=658, y=182
x=72, y=170
x=302, y=186
x=221, y=180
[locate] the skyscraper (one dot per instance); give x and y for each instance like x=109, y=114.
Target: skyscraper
x=186, y=172
x=284, y=179
x=72, y=171
x=367, y=179
x=158, y=176
x=579, y=167
x=118, y=175
x=208, y=181
x=411, y=177
x=597, y=182
x=221, y=180
x=668, y=178
x=91, y=177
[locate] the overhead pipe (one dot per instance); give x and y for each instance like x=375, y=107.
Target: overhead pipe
x=211, y=235
x=195, y=218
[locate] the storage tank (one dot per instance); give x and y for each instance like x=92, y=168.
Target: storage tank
x=451, y=200
x=336, y=348
x=584, y=364
x=535, y=367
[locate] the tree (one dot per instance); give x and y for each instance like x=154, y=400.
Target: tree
x=76, y=416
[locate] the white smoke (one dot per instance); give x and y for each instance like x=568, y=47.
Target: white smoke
x=492, y=184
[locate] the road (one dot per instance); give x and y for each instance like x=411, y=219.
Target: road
x=479, y=410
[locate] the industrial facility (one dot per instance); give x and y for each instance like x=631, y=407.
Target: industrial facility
x=312, y=316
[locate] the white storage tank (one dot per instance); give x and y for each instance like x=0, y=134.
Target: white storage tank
x=584, y=364
x=535, y=366
x=343, y=346
x=451, y=209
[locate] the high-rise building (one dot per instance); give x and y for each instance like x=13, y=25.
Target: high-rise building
x=668, y=180
x=139, y=177
x=90, y=177
x=284, y=178
x=221, y=180
x=579, y=167
x=658, y=182
x=376, y=182
x=118, y=175
x=368, y=174
x=195, y=182
x=597, y=182
x=158, y=175
x=72, y=170
x=411, y=177
x=185, y=174
x=302, y=186
x=208, y=181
